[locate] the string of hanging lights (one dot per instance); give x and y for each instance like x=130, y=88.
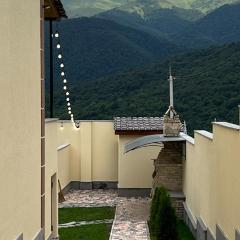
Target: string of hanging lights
x=64, y=79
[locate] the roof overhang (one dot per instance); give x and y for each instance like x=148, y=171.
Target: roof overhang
x=153, y=140
x=54, y=10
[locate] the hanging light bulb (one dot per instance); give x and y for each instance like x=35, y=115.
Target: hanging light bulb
x=65, y=86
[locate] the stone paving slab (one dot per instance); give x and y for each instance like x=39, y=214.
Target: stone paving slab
x=82, y=223
x=130, y=221
x=131, y=216
x=90, y=198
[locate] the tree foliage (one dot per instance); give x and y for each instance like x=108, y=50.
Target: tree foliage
x=207, y=87
x=163, y=220
x=166, y=220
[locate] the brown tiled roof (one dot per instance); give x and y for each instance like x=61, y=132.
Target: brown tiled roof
x=138, y=123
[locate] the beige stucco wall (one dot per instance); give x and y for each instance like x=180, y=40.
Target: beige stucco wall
x=69, y=135
x=211, y=181
x=104, y=152
x=135, y=168
x=51, y=172
x=93, y=151
x=20, y=120
x=95, y=154
x=64, y=166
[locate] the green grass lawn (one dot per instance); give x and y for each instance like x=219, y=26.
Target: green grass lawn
x=67, y=215
x=184, y=232
x=87, y=232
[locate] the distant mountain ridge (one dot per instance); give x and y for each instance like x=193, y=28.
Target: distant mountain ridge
x=161, y=22
x=218, y=27
x=79, y=8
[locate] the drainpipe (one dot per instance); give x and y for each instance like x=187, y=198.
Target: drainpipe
x=51, y=66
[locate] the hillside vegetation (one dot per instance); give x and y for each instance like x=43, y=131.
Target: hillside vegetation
x=94, y=48
x=207, y=86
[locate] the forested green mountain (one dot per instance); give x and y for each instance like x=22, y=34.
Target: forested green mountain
x=207, y=86
x=219, y=27
x=94, y=48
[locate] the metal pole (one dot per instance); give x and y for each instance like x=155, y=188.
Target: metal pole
x=171, y=89
x=51, y=66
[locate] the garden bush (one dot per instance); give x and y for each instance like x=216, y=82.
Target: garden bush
x=163, y=220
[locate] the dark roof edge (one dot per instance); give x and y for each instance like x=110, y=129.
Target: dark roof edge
x=59, y=6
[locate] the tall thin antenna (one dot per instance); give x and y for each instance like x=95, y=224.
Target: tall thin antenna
x=171, y=102
x=171, y=86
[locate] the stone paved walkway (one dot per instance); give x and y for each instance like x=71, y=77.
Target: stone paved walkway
x=90, y=198
x=130, y=222
x=131, y=217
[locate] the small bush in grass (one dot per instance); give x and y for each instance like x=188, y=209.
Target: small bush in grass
x=166, y=220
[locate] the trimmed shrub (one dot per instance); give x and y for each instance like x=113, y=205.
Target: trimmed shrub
x=166, y=220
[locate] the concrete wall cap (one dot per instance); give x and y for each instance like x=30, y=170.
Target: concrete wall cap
x=187, y=138
x=205, y=134
x=202, y=224
x=63, y=146
x=50, y=120
x=69, y=121
x=227, y=125
x=190, y=215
